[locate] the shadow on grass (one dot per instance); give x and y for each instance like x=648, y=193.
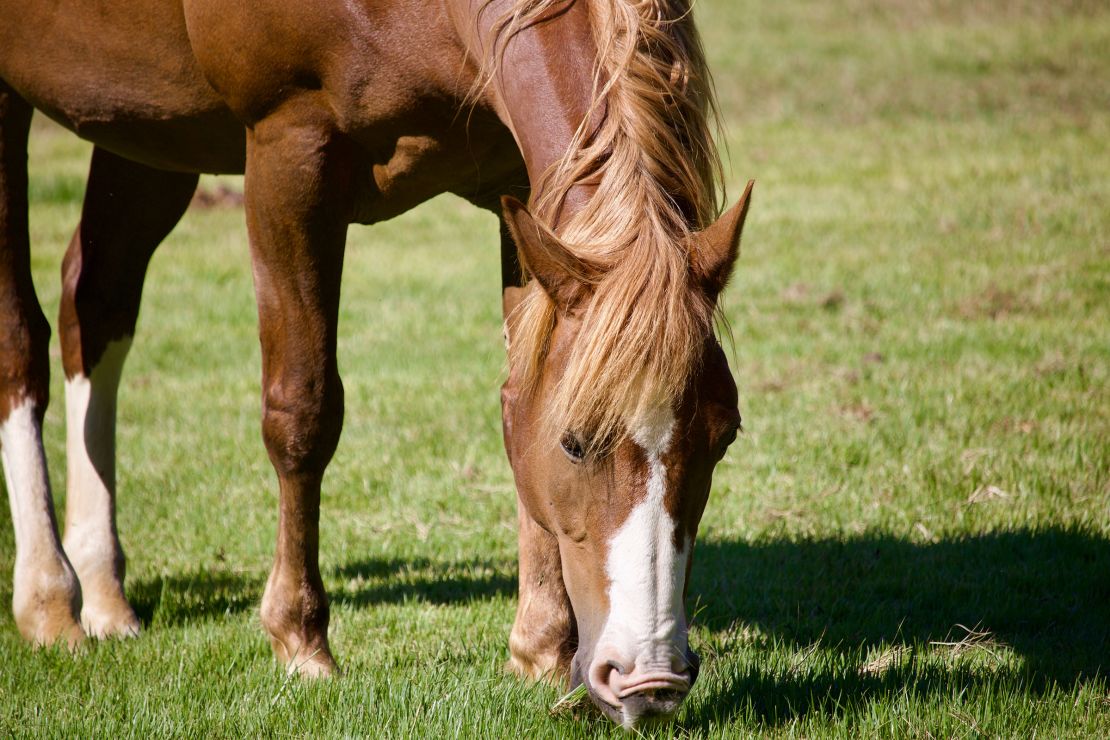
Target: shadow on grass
x=193, y=597
x=397, y=580
x=1045, y=593
x=756, y=696
x=204, y=594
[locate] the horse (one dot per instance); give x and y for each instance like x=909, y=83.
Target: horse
x=619, y=401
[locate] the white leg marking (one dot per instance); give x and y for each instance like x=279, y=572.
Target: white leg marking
x=28, y=483
x=91, y=539
x=647, y=618
x=45, y=591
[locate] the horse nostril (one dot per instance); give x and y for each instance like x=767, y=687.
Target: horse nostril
x=602, y=676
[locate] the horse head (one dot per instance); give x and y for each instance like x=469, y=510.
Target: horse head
x=623, y=509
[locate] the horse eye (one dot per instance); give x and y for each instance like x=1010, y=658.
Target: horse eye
x=728, y=438
x=572, y=448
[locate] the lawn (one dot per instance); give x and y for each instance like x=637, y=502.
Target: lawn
x=912, y=537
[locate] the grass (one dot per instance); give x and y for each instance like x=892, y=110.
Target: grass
x=911, y=539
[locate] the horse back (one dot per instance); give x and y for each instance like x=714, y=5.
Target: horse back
x=173, y=83
x=122, y=74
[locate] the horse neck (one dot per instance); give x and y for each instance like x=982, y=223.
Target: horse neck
x=542, y=87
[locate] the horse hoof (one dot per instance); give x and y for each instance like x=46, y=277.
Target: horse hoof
x=45, y=630
x=319, y=665
x=46, y=610
x=316, y=663
x=541, y=669
x=105, y=621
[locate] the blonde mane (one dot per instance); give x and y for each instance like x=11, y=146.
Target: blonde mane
x=655, y=170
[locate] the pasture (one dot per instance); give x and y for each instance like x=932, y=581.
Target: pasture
x=911, y=538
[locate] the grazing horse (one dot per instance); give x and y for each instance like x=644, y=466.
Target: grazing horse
x=619, y=401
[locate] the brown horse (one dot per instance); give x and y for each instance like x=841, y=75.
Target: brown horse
x=619, y=402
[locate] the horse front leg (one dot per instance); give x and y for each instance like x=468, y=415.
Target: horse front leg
x=544, y=638
x=298, y=185
x=46, y=596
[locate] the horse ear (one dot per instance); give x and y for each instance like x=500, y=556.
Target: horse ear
x=561, y=274
x=717, y=247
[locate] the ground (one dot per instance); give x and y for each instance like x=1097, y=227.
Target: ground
x=911, y=538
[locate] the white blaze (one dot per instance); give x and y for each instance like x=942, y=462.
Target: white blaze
x=647, y=621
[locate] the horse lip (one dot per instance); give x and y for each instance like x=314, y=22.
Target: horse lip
x=614, y=713
x=667, y=682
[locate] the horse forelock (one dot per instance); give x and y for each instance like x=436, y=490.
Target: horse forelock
x=647, y=150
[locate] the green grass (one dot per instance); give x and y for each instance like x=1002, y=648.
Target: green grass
x=921, y=312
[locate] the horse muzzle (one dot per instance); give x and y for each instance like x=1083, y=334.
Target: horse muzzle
x=640, y=693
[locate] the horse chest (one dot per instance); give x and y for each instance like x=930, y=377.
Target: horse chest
x=398, y=176
x=462, y=156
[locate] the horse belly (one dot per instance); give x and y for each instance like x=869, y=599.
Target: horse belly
x=122, y=75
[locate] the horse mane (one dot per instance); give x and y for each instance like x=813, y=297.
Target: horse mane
x=655, y=169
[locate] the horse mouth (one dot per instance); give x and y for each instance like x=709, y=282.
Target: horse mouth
x=652, y=701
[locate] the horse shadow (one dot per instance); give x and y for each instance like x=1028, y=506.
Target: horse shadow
x=169, y=600
x=1044, y=592
x=398, y=580
x=194, y=596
